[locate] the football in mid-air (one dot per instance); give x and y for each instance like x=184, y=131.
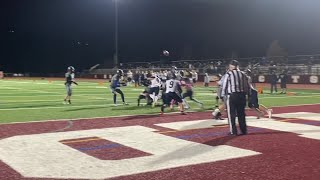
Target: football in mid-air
x=165, y=53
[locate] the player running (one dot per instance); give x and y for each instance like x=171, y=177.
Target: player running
x=172, y=88
x=253, y=101
x=221, y=106
x=188, y=84
x=115, y=87
x=69, y=81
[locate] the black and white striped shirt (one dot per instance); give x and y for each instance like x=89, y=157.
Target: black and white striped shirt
x=235, y=81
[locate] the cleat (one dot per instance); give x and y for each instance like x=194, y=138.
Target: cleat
x=232, y=134
x=260, y=114
x=219, y=118
x=161, y=113
x=124, y=103
x=270, y=113
x=183, y=113
x=115, y=105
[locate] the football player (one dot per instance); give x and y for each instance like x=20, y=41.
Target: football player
x=188, y=84
x=69, y=81
x=217, y=113
x=154, y=89
x=172, y=90
x=145, y=95
x=115, y=87
x=253, y=103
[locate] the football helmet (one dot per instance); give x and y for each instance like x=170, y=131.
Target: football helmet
x=120, y=72
x=71, y=68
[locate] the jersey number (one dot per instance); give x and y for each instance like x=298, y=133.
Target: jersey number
x=171, y=84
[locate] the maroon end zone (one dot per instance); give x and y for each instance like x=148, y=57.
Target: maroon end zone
x=284, y=155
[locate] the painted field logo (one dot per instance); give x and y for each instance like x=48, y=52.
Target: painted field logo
x=46, y=156
x=43, y=156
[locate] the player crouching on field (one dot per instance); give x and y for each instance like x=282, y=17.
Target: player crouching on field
x=145, y=93
x=69, y=81
x=115, y=87
x=172, y=88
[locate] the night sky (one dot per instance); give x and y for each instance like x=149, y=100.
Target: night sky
x=49, y=35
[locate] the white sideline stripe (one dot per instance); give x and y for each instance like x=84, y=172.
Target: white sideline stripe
x=89, y=118
x=32, y=90
x=300, y=115
x=195, y=124
x=62, y=106
x=56, y=107
x=53, y=120
x=14, y=102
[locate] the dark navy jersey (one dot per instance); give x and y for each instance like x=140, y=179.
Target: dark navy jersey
x=115, y=81
x=274, y=79
x=253, y=99
x=283, y=78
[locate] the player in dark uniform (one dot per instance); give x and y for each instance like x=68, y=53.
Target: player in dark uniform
x=253, y=103
x=145, y=94
x=283, y=82
x=69, y=81
x=115, y=87
x=188, y=84
x=274, y=80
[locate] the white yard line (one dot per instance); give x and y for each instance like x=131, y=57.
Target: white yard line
x=55, y=107
x=15, y=102
x=92, y=118
x=24, y=89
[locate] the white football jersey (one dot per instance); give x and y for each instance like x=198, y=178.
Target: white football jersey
x=155, y=82
x=172, y=85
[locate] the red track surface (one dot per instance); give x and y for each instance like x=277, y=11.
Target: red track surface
x=284, y=155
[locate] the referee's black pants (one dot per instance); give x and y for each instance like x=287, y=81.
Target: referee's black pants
x=236, y=103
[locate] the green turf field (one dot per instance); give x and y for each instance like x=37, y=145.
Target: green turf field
x=36, y=100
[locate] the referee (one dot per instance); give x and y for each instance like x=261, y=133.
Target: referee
x=234, y=90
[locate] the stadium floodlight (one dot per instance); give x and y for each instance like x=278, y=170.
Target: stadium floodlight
x=116, y=61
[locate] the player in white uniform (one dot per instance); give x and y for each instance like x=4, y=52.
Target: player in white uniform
x=173, y=91
x=69, y=81
x=217, y=113
x=154, y=89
